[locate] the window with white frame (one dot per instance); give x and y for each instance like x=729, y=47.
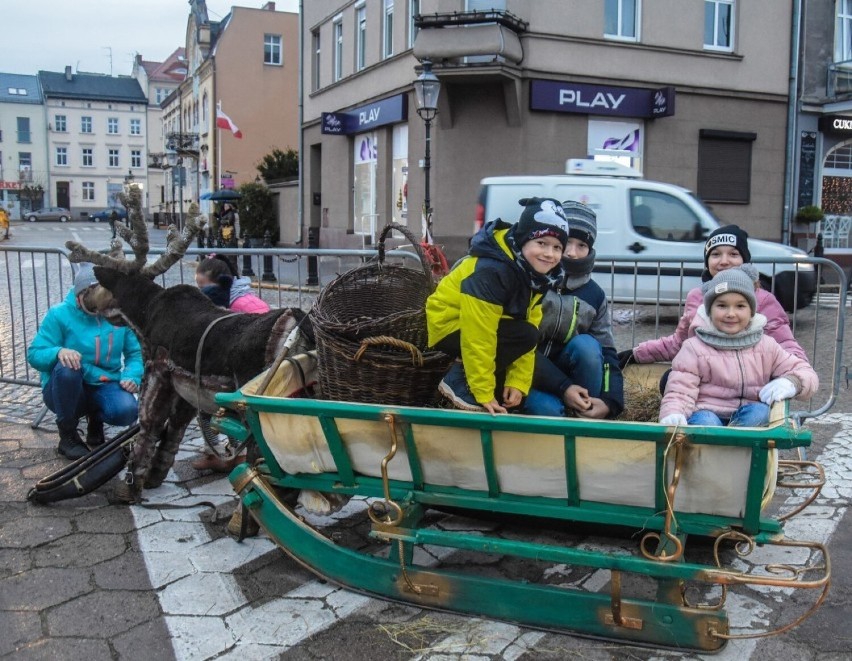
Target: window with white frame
x=315, y=78
x=413, y=10
x=135, y=127
x=136, y=158
x=360, y=37
x=112, y=125
x=621, y=19
x=338, y=50
x=113, y=160
x=162, y=93
x=88, y=157
x=88, y=191
x=60, y=123
x=24, y=130
x=843, y=31
x=719, y=25
x=85, y=124
x=387, y=43
x=62, y=156
x=272, y=49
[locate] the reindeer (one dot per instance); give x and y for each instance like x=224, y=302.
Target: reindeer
x=192, y=348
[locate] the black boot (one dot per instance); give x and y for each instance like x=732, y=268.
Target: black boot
x=94, y=431
x=71, y=446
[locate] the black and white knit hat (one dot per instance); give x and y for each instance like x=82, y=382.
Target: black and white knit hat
x=730, y=280
x=728, y=235
x=582, y=222
x=541, y=217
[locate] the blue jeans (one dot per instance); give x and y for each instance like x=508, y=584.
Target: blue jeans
x=70, y=398
x=582, y=361
x=755, y=414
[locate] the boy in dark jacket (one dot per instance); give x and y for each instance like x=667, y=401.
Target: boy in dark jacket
x=577, y=369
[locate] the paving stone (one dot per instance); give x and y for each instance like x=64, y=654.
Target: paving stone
x=172, y=536
x=14, y=561
x=28, y=532
x=79, y=550
x=281, y=622
x=51, y=649
x=226, y=554
x=19, y=628
x=125, y=572
x=37, y=589
x=199, y=637
x=103, y=613
x=150, y=640
x=106, y=520
x=12, y=485
x=165, y=568
x=254, y=652
x=202, y=594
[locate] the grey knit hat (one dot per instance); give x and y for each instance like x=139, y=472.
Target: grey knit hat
x=730, y=280
x=84, y=278
x=541, y=217
x=582, y=222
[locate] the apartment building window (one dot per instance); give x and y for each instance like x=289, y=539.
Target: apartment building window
x=621, y=19
x=25, y=166
x=338, y=50
x=88, y=157
x=113, y=161
x=315, y=39
x=361, y=37
x=724, y=166
x=843, y=31
x=413, y=10
x=719, y=25
x=162, y=93
x=136, y=158
x=60, y=124
x=88, y=191
x=388, y=29
x=85, y=124
x=112, y=125
x=272, y=49
x=24, y=130
x=62, y=156
x=135, y=127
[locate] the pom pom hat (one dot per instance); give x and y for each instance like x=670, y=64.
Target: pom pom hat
x=541, y=217
x=728, y=281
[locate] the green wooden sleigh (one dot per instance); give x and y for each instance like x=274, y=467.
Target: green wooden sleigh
x=664, y=485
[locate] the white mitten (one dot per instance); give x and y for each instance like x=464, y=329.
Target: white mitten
x=777, y=390
x=674, y=419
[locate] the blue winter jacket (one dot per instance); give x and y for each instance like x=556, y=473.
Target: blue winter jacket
x=101, y=345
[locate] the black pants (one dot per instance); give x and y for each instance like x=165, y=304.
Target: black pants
x=515, y=337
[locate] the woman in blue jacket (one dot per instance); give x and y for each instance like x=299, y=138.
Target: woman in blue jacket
x=88, y=367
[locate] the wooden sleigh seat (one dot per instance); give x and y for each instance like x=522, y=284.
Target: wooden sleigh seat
x=667, y=483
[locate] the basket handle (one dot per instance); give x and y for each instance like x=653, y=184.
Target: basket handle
x=416, y=356
x=427, y=269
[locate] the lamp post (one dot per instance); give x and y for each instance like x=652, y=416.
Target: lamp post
x=427, y=87
x=176, y=163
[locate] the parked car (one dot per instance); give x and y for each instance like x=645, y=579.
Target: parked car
x=49, y=213
x=638, y=218
x=104, y=215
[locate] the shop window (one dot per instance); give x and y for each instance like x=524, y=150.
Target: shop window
x=399, y=185
x=365, y=160
x=724, y=166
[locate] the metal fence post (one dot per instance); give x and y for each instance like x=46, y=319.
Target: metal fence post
x=247, y=269
x=268, y=275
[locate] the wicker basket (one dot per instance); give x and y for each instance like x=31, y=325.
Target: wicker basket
x=377, y=299
x=378, y=370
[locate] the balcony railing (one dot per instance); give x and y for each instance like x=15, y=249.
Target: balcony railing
x=183, y=143
x=839, y=81
x=484, y=37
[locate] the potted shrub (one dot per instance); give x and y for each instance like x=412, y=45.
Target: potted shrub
x=809, y=214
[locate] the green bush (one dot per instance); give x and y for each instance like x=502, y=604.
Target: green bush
x=809, y=214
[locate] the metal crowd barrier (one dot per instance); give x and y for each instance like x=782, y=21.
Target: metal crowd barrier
x=36, y=278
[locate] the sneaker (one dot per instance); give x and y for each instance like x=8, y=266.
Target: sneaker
x=454, y=387
x=71, y=446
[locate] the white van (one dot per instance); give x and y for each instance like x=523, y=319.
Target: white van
x=646, y=219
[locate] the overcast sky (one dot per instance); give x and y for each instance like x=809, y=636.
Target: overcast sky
x=92, y=34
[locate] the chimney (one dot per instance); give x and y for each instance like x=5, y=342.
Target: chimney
x=269, y=6
x=68, y=75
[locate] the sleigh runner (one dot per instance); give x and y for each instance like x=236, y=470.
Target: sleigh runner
x=666, y=484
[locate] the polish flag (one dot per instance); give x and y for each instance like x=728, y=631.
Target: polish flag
x=225, y=122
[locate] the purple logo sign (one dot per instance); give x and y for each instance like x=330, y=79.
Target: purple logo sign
x=364, y=118
x=553, y=96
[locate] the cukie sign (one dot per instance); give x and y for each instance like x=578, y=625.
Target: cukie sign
x=555, y=96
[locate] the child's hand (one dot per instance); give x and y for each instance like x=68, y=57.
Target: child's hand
x=512, y=397
x=777, y=390
x=598, y=409
x=494, y=407
x=577, y=398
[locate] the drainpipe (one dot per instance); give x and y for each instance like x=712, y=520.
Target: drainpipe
x=792, y=122
x=301, y=114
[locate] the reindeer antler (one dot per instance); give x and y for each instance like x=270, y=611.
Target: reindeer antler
x=137, y=238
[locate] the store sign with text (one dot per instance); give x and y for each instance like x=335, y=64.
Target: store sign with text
x=835, y=124
x=365, y=118
x=581, y=98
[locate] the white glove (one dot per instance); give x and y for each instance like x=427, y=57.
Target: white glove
x=777, y=390
x=674, y=419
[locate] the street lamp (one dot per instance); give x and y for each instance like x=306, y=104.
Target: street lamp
x=427, y=87
x=176, y=163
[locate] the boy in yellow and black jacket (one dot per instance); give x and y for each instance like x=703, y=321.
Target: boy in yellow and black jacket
x=487, y=309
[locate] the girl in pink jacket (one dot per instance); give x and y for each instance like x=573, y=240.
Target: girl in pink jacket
x=730, y=372
x=727, y=247
x=216, y=276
